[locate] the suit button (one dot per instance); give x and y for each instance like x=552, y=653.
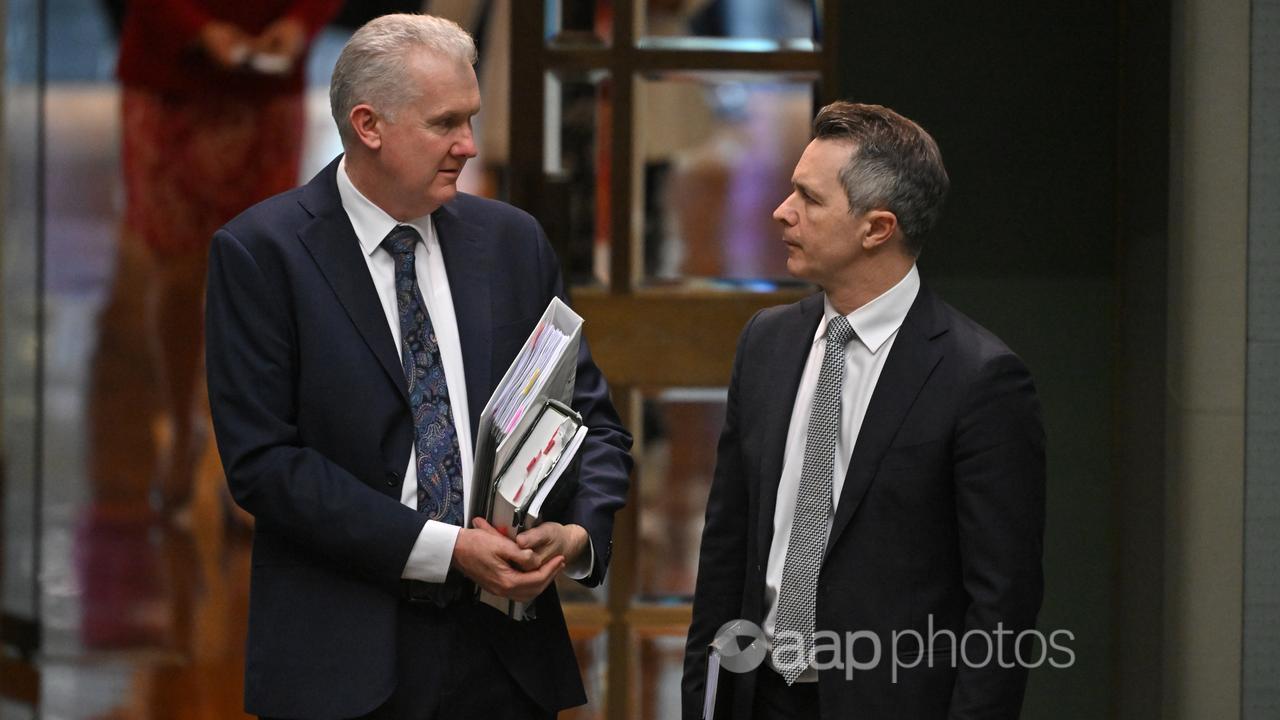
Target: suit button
x=393, y=478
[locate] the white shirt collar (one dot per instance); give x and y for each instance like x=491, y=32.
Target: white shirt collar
x=879, y=319
x=371, y=223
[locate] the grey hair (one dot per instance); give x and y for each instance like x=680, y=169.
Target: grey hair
x=894, y=165
x=372, y=68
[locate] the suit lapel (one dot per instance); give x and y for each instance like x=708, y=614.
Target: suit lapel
x=333, y=245
x=793, y=340
x=467, y=263
x=911, y=361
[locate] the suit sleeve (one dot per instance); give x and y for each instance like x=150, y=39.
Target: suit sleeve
x=722, y=559
x=605, y=474
x=999, y=475
x=289, y=488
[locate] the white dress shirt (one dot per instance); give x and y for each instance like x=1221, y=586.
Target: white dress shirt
x=876, y=325
x=431, y=555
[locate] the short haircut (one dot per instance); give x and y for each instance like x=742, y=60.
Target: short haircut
x=894, y=165
x=372, y=68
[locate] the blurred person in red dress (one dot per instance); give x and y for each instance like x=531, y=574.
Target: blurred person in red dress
x=213, y=113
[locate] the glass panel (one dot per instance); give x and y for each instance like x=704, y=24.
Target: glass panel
x=144, y=560
x=10, y=710
x=680, y=429
x=712, y=181
x=82, y=130
x=19, y=305
x=321, y=143
x=575, y=207
x=759, y=25
x=592, y=649
x=658, y=665
x=579, y=22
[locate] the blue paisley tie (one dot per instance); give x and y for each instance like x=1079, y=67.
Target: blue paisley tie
x=435, y=437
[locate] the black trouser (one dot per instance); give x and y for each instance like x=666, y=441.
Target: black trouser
x=776, y=701
x=446, y=671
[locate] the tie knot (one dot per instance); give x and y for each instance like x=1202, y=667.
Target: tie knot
x=400, y=240
x=839, y=332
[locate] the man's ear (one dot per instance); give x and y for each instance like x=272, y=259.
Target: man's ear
x=882, y=227
x=366, y=126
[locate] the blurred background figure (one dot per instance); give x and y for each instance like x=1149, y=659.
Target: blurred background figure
x=212, y=119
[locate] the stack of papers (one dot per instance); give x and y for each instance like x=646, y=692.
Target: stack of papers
x=529, y=375
x=544, y=369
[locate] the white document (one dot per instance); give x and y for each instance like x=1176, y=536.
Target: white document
x=562, y=464
x=713, y=679
x=531, y=465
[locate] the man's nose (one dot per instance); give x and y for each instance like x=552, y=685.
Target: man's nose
x=466, y=145
x=784, y=214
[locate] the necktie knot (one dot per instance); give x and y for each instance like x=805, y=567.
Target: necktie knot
x=839, y=332
x=401, y=240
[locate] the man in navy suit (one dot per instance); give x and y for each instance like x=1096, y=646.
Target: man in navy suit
x=877, y=508
x=357, y=326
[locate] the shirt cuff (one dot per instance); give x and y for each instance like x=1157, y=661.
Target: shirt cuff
x=432, y=553
x=581, y=568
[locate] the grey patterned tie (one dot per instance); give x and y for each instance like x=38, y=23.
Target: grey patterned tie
x=809, y=528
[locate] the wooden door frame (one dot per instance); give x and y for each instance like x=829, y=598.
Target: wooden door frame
x=693, y=331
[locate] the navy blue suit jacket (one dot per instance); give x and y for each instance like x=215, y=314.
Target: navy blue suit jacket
x=314, y=428
x=939, y=525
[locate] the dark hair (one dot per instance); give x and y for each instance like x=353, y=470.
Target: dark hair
x=894, y=165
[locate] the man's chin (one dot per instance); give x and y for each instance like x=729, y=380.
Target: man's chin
x=442, y=195
x=797, y=269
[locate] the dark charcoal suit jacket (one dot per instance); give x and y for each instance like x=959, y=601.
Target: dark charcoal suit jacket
x=314, y=428
x=941, y=516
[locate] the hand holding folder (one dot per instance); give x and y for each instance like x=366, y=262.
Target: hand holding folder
x=529, y=437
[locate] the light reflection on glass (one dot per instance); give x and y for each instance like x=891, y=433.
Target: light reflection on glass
x=578, y=22
x=681, y=427
x=713, y=179
x=592, y=649
x=576, y=210
x=781, y=21
x=658, y=669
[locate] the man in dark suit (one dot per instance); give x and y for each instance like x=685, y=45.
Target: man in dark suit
x=878, y=501
x=357, y=327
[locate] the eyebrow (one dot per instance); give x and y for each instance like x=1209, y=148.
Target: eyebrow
x=798, y=185
x=453, y=115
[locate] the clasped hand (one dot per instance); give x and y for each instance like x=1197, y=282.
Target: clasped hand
x=518, y=569
x=229, y=46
